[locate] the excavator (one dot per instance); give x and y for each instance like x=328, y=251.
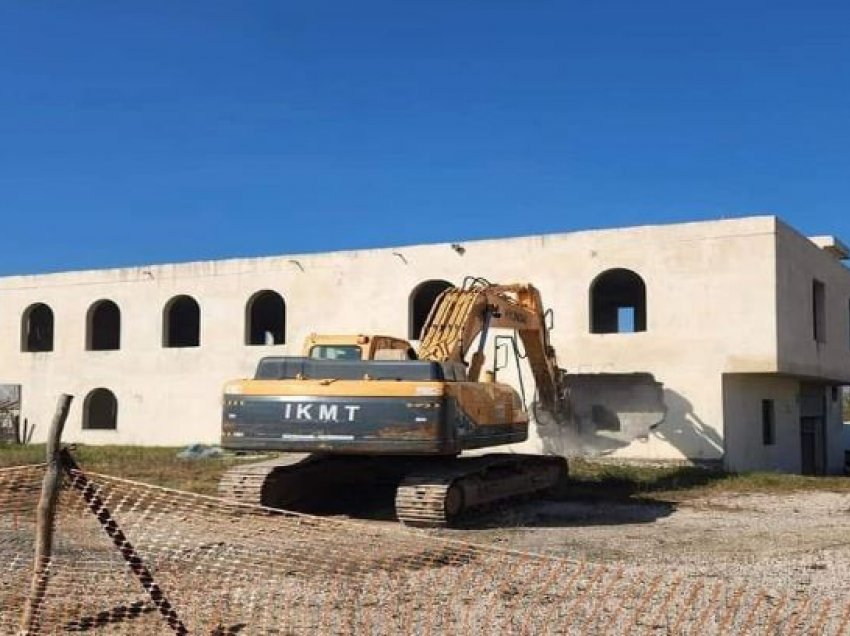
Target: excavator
x=354, y=410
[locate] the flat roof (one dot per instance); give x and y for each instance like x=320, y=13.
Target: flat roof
x=831, y=245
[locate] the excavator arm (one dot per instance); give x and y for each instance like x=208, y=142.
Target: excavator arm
x=461, y=314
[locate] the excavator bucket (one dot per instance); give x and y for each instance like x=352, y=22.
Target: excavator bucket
x=605, y=412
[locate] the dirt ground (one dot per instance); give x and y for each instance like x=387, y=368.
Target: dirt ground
x=684, y=561
x=788, y=542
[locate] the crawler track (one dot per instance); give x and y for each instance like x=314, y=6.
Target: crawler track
x=436, y=496
x=422, y=500
x=261, y=483
x=429, y=491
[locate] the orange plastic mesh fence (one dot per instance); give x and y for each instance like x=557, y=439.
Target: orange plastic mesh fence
x=229, y=568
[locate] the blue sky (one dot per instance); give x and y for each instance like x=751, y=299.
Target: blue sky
x=153, y=131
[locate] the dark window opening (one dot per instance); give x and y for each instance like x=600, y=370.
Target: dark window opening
x=604, y=418
x=37, y=328
x=421, y=300
x=265, y=319
x=768, y=423
x=617, y=302
x=100, y=410
x=818, y=311
x=103, y=327
x=181, y=323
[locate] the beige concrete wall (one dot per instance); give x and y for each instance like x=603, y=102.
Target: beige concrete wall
x=742, y=413
x=701, y=322
x=711, y=310
x=743, y=395
x=801, y=361
x=798, y=263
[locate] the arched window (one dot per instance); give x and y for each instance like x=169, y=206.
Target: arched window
x=103, y=326
x=421, y=300
x=181, y=322
x=37, y=328
x=100, y=410
x=265, y=319
x=617, y=302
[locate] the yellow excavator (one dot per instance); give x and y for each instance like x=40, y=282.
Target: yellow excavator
x=360, y=408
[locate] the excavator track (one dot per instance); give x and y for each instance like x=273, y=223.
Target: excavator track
x=436, y=496
x=423, y=500
x=430, y=492
x=260, y=483
x=303, y=481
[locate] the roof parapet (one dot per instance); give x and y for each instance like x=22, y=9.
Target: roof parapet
x=832, y=246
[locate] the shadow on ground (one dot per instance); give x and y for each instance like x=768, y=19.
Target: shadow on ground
x=594, y=495
x=549, y=513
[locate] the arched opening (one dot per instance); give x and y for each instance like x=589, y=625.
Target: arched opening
x=617, y=302
x=181, y=322
x=103, y=326
x=100, y=410
x=265, y=319
x=421, y=300
x=37, y=328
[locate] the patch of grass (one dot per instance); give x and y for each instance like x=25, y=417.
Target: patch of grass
x=779, y=483
x=14, y=455
x=597, y=479
x=589, y=479
x=150, y=464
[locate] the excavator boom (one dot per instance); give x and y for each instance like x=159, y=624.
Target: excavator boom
x=461, y=315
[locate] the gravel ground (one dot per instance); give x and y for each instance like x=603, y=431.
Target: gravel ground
x=719, y=564
x=781, y=541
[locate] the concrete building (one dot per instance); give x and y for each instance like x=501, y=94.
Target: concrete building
x=745, y=322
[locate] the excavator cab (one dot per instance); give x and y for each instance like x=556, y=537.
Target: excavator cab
x=358, y=347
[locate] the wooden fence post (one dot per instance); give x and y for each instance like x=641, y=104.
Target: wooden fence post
x=45, y=516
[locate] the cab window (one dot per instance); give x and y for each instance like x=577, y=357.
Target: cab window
x=335, y=352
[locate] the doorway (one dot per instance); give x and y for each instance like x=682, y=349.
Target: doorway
x=812, y=430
